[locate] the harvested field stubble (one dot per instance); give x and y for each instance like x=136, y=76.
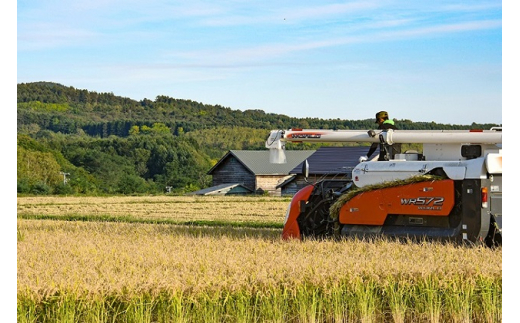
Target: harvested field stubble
x=132, y=272
x=178, y=208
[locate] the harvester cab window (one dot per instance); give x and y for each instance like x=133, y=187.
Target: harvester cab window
x=471, y=151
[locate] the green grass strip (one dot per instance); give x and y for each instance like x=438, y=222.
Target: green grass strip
x=131, y=219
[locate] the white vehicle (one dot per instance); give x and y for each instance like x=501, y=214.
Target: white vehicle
x=451, y=191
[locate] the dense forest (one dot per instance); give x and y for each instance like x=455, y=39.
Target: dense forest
x=73, y=141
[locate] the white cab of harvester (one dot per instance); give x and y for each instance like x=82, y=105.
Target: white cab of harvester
x=447, y=157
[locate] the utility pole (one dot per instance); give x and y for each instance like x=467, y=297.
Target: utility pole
x=65, y=177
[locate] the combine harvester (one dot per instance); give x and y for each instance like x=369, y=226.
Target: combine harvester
x=452, y=191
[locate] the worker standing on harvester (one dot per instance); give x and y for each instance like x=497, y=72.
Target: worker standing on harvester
x=385, y=151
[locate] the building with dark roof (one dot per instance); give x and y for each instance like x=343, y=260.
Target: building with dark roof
x=330, y=160
x=326, y=162
x=248, y=171
x=252, y=169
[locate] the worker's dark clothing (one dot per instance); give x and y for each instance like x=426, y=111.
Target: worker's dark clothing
x=384, y=148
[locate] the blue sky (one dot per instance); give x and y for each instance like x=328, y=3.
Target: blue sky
x=420, y=60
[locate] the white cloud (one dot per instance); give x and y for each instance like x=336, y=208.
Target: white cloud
x=260, y=54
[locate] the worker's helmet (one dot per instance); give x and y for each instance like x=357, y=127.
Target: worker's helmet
x=381, y=115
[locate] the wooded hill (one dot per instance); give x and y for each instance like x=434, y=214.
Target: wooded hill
x=73, y=141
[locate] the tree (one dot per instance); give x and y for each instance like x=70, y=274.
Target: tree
x=141, y=157
x=160, y=128
x=134, y=130
x=35, y=167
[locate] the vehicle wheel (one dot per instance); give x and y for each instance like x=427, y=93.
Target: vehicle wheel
x=315, y=224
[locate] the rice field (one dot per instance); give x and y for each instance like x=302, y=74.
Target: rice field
x=167, y=209
x=174, y=259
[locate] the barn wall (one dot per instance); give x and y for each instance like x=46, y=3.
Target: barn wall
x=290, y=189
x=294, y=186
x=268, y=183
x=232, y=171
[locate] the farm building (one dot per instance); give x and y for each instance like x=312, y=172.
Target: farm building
x=252, y=170
x=249, y=171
